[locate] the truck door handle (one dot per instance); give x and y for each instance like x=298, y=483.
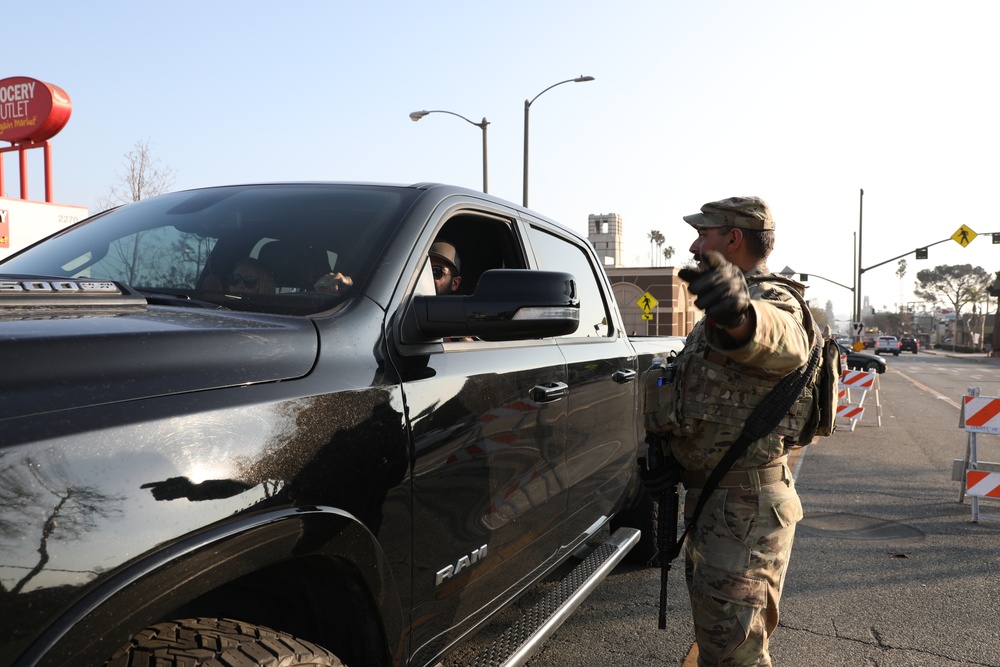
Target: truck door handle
x=624, y=375
x=548, y=392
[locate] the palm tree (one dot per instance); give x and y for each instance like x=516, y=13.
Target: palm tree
x=660, y=239
x=668, y=252
x=652, y=236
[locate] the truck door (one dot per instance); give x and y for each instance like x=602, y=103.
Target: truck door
x=603, y=386
x=488, y=427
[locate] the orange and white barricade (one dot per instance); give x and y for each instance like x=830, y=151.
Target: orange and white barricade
x=980, y=414
x=863, y=381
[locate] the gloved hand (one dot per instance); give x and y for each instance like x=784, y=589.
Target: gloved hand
x=721, y=290
x=659, y=481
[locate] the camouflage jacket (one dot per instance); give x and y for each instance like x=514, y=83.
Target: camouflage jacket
x=717, y=384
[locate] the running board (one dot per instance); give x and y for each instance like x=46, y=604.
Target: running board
x=518, y=642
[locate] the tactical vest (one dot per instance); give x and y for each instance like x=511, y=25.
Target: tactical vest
x=709, y=386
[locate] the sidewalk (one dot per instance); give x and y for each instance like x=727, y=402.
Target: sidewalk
x=979, y=356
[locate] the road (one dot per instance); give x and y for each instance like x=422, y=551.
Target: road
x=887, y=569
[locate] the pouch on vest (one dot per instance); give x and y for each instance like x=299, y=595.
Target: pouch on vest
x=821, y=393
x=659, y=396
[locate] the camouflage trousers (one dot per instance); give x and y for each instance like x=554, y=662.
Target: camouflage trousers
x=735, y=568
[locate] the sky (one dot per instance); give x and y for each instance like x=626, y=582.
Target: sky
x=802, y=103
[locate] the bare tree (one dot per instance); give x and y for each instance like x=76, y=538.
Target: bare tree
x=144, y=177
x=33, y=492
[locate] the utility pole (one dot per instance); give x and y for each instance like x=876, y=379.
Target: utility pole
x=857, y=294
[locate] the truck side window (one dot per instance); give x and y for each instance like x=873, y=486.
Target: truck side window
x=555, y=253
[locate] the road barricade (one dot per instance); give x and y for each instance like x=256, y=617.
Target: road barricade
x=979, y=479
x=858, y=381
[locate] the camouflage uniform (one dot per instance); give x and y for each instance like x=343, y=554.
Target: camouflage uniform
x=737, y=554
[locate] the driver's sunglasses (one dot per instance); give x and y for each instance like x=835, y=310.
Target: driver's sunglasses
x=248, y=281
x=439, y=272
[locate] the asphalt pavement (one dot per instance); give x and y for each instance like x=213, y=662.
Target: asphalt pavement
x=887, y=570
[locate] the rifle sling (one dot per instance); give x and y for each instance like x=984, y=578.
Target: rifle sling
x=764, y=418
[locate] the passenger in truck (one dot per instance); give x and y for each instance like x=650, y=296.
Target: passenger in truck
x=446, y=267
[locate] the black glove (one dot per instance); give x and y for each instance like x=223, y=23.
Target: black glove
x=721, y=290
x=659, y=481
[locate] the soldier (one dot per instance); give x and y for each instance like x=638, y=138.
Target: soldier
x=749, y=339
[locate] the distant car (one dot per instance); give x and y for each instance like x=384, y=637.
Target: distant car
x=862, y=361
x=888, y=344
x=909, y=344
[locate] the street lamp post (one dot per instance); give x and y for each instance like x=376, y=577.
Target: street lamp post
x=417, y=115
x=527, y=106
x=789, y=272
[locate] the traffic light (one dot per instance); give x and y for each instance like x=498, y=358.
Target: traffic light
x=996, y=238
x=921, y=253
x=803, y=277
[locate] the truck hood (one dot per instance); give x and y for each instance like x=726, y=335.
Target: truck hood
x=60, y=359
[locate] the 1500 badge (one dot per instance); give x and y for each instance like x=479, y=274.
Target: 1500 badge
x=58, y=286
x=34, y=294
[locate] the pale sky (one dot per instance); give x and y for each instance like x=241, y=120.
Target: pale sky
x=802, y=103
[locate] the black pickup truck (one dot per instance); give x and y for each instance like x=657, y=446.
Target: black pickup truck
x=195, y=473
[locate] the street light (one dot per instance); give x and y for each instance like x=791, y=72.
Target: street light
x=789, y=272
x=417, y=115
x=527, y=105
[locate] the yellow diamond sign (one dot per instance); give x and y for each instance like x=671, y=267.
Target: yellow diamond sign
x=964, y=236
x=647, y=303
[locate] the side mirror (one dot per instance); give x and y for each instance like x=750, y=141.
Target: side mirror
x=508, y=304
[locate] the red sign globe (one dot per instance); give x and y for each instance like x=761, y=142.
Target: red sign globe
x=31, y=110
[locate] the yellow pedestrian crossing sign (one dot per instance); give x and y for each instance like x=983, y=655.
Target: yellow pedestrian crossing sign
x=964, y=236
x=647, y=303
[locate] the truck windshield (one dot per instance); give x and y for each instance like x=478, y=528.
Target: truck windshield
x=283, y=248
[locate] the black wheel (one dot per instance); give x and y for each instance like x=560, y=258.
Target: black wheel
x=895, y=354
x=870, y=366
x=643, y=515
x=214, y=641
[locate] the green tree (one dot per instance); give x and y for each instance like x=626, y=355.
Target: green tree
x=819, y=316
x=668, y=253
x=900, y=272
x=956, y=284
x=828, y=312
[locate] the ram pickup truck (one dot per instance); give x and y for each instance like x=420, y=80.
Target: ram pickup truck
x=195, y=471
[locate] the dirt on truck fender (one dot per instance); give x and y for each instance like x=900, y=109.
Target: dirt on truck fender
x=260, y=423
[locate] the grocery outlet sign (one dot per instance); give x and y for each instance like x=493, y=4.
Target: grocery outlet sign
x=31, y=110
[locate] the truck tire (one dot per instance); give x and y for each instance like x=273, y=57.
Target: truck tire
x=202, y=641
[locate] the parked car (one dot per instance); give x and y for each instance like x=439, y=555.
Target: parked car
x=863, y=361
x=909, y=344
x=887, y=344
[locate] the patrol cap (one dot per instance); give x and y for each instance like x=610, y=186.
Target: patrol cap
x=743, y=212
x=446, y=252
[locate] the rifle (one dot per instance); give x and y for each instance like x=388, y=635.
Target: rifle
x=668, y=506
